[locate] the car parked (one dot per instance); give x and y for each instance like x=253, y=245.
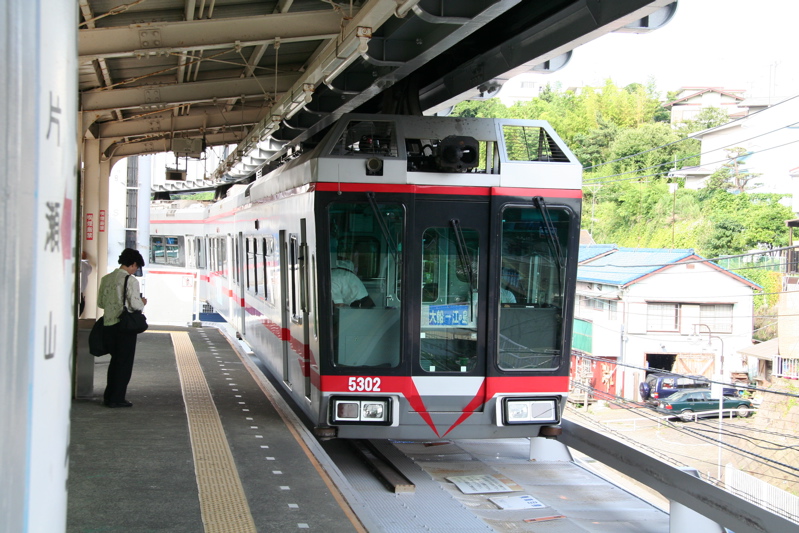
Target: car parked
x=660, y=385
x=688, y=405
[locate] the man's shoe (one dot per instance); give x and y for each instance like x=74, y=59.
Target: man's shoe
x=118, y=404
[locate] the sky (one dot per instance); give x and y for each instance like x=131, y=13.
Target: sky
x=735, y=44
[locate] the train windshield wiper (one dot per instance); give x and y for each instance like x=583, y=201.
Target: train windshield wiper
x=383, y=227
x=466, y=261
x=552, y=237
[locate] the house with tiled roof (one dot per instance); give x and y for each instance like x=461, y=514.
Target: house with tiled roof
x=660, y=309
x=691, y=101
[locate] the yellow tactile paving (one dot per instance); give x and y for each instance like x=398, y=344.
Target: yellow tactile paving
x=222, y=500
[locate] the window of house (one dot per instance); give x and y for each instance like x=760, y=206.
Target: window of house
x=662, y=317
x=718, y=317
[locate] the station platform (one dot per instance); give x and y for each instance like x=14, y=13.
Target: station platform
x=202, y=449
x=210, y=446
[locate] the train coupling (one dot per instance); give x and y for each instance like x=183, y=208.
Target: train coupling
x=325, y=433
x=550, y=432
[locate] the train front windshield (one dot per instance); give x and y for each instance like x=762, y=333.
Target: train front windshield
x=449, y=311
x=365, y=282
x=533, y=257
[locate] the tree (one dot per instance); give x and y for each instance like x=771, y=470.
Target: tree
x=731, y=175
x=709, y=117
x=593, y=147
x=648, y=150
x=725, y=238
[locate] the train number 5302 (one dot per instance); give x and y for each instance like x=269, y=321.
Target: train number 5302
x=364, y=384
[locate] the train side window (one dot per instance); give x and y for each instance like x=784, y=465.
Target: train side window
x=157, y=250
x=167, y=250
x=253, y=266
x=530, y=287
x=531, y=143
x=266, y=253
x=368, y=138
x=248, y=262
x=199, y=250
x=236, y=261
x=222, y=255
x=294, y=279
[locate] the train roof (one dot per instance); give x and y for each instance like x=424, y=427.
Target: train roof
x=434, y=151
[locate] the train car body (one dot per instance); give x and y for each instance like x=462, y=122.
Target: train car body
x=409, y=277
x=172, y=275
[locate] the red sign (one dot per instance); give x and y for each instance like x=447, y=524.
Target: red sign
x=102, y=220
x=89, y=226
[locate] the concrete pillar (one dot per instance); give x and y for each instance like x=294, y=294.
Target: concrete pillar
x=682, y=518
x=94, y=239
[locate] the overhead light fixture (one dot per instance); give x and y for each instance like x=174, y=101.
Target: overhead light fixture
x=346, y=54
x=300, y=100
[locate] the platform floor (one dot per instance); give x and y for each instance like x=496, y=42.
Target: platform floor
x=209, y=446
x=202, y=449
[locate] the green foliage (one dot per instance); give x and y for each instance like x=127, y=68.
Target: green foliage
x=633, y=150
x=631, y=202
x=589, y=120
x=197, y=196
x=707, y=118
x=732, y=175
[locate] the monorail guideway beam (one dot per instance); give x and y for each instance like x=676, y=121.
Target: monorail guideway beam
x=682, y=487
x=439, y=58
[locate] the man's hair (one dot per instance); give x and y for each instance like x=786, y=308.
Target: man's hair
x=130, y=256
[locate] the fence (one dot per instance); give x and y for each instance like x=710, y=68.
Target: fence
x=760, y=493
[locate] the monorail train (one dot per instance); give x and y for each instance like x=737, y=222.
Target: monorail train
x=407, y=277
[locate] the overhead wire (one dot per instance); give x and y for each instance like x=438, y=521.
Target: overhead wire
x=708, y=380
x=602, y=180
x=688, y=137
x=777, y=465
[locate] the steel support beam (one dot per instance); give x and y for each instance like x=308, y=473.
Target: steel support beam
x=198, y=121
x=141, y=40
x=161, y=97
x=560, y=33
x=117, y=150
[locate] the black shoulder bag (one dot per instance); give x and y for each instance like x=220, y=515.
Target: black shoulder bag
x=96, y=340
x=132, y=321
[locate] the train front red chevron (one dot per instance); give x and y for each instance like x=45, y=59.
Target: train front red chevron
x=401, y=277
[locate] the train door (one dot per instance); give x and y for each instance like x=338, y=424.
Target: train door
x=303, y=260
x=450, y=352
x=295, y=269
x=238, y=262
x=285, y=303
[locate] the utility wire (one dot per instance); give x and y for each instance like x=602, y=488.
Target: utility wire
x=737, y=143
x=709, y=381
x=687, y=138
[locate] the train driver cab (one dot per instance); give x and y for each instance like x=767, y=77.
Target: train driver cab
x=365, y=241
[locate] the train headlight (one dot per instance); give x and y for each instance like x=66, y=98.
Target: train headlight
x=530, y=411
x=360, y=410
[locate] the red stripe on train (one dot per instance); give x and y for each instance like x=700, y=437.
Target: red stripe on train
x=459, y=190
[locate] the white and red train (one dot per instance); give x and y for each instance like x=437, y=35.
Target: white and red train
x=464, y=234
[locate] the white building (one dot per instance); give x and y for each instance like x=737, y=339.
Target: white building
x=661, y=309
x=769, y=132
x=692, y=100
